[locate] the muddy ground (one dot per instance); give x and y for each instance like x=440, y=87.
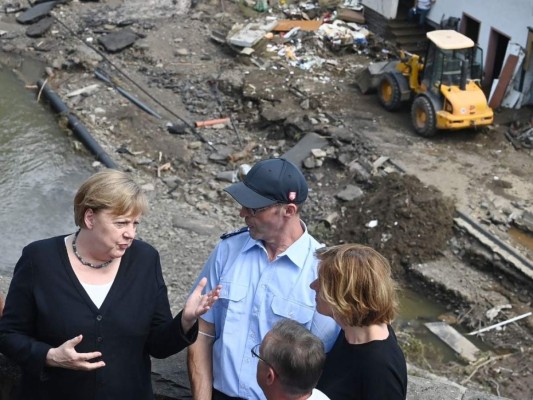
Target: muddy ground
x=374, y=182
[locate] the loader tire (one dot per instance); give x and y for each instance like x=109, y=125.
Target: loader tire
x=423, y=117
x=389, y=93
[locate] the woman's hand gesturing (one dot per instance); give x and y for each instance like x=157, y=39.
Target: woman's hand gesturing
x=198, y=304
x=66, y=356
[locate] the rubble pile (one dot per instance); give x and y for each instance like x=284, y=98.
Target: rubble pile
x=405, y=220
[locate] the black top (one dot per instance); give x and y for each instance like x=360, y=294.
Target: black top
x=46, y=305
x=374, y=370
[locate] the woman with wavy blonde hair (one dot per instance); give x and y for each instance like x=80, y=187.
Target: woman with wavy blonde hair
x=355, y=288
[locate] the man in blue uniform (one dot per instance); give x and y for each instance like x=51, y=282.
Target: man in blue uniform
x=265, y=270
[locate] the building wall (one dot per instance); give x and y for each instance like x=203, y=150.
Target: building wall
x=510, y=17
x=386, y=8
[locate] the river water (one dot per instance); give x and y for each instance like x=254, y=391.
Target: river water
x=39, y=171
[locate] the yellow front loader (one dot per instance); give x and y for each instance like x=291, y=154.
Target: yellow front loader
x=444, y=88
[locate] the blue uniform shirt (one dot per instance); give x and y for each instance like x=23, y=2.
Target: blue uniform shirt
x=256, y=293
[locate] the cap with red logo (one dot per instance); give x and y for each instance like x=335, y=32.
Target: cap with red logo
x=273, y=181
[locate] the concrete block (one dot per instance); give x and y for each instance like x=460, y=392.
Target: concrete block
x=454, y=339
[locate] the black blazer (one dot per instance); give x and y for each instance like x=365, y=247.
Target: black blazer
x=46, y=305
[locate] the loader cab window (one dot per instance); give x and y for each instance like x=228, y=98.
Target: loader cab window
x=433, y=69
x=447, y=67
x=476, y=64
x=452, y=66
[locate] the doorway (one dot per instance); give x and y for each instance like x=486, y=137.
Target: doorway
x=470, y=27
x=495, y=56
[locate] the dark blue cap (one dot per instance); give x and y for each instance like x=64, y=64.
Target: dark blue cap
x=274, y=181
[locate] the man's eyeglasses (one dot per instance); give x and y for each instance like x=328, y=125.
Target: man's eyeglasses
x=255, y=353
x=255, y=211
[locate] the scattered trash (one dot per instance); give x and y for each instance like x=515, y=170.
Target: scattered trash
x=521, y=135
x=84, y=91
x=494, y=311
x=286, y=25
x=372, y=224
x=250, y=34
x=211, y=122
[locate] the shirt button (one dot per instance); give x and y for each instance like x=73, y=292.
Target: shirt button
x=99, y=339
x=99, y=318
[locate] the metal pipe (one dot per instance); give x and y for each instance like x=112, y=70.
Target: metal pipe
x=102, y=76
x=77, y=127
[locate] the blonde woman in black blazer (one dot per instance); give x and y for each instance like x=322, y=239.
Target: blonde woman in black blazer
x=85, y=312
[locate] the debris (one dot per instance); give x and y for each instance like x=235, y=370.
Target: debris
x=319, y=153
x=524, y=221
x=372, y=224
x=84, y=91
x=515, y=259
x=176, y=129
x=521, y=134
x=301, y=150
x=286, y=25
x=250, y=34
x=379, y=163
x=345, y=14
x=494, y=311
x=39, y=28
x=247, y=51
x=350, y=193
x=36, y=13
x=244, y=154
x=227, y=176
x=218, y=36
x=117, y=41
x=102, y=76
x=488, y=328
x=454, y=339
x=165, y=167
x=243, y=171
x=211, y=122
x=331, y=218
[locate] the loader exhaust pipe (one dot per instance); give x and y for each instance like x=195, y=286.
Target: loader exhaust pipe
x=465, y=67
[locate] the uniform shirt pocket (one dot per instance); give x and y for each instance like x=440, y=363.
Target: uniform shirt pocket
x=233, y=302
x=287, y=308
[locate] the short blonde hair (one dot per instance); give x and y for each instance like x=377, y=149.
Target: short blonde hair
x=111, y=190
x=356, y=282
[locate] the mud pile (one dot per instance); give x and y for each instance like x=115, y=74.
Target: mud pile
x=405, y=220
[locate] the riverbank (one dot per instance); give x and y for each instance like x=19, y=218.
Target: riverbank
x=177, y=69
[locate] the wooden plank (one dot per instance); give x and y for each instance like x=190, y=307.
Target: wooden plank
x=454, y=339
x=505, y=78
x=286, y=25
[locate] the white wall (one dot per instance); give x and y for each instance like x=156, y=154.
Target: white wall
x=510, y=17
x=387, y=8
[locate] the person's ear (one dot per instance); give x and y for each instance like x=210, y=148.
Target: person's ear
x=271, y=376
x=291, y=209
x=88, y=218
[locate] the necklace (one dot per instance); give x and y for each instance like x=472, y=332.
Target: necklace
x=88, y=264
